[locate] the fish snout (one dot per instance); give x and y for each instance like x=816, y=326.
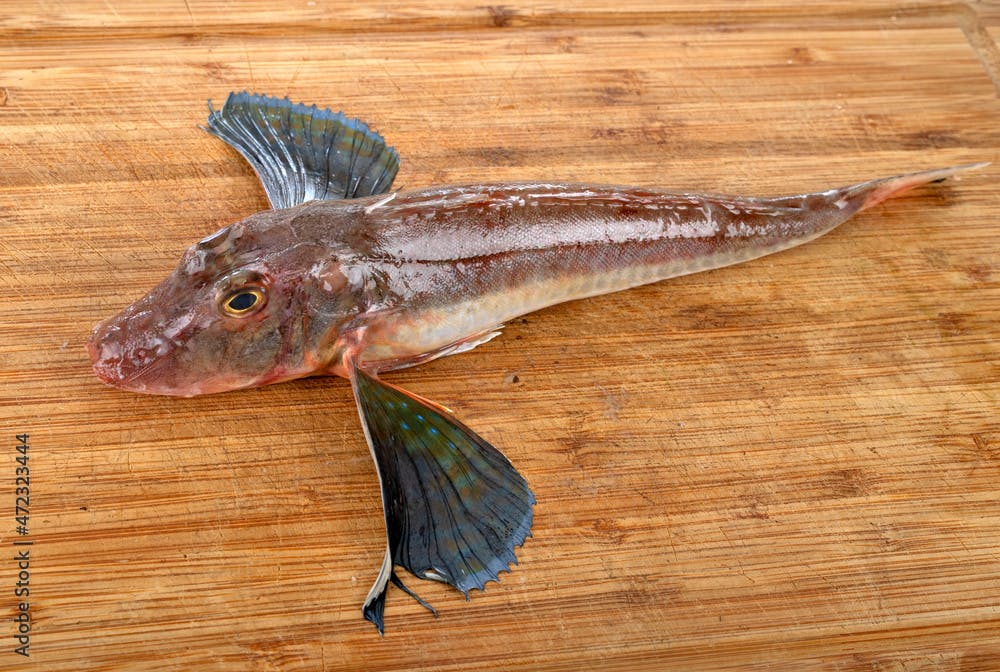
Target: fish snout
x=120, y=358
x=105, y=357
x=93, y=351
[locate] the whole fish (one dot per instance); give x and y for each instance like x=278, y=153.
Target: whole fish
x=344, y=277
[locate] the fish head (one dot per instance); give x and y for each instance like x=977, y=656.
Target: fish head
x=247, y=306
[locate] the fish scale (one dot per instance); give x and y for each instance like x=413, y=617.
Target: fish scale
x=558, y=243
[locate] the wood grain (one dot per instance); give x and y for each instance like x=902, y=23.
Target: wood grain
x=789, y=464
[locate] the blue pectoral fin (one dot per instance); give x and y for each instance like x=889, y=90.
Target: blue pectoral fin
x=302, y=153
x=455, y=509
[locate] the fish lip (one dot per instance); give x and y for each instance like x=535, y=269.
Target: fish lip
x=91, y=348
x=143, y=380
x=101, y=369
x=110, y=370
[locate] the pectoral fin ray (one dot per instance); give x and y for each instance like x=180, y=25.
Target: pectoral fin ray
x=455, y=509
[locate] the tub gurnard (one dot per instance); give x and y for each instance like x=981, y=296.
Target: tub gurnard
x=344, y=277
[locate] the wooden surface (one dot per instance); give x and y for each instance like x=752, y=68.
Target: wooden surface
x=789, y=464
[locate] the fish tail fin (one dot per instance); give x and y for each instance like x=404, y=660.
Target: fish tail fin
x=455, y=508
x=869, y=194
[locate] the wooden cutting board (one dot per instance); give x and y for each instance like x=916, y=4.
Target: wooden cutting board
x=788, y=464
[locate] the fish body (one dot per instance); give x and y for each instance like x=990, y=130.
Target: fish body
x=450, y=265
x=398, y=280
x=344, y=277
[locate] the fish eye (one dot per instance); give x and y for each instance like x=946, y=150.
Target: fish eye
x=244, y=301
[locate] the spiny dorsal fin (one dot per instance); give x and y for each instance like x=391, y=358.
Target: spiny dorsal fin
x=302, y=153
x=454, y=507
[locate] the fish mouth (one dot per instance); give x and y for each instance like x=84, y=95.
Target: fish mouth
x=117, y=364
x=106, y=369
x=101, y=368
x=150, y=366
